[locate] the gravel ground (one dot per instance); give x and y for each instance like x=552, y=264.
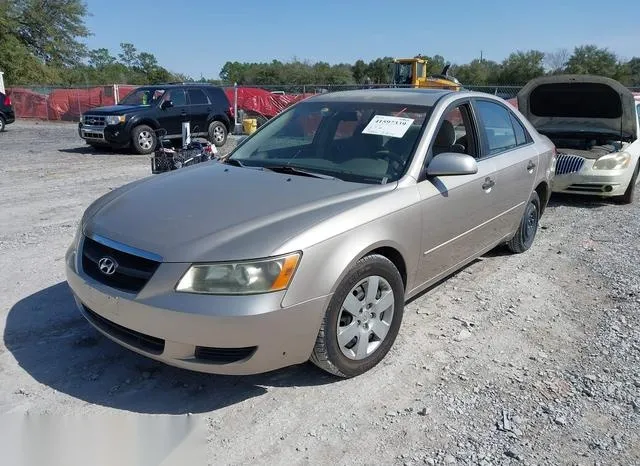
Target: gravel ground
x=531, y=359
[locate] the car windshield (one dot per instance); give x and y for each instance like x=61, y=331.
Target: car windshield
x=143, y=96
x=362, y=142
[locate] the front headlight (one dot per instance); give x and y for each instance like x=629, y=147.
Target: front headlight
x=246, y=277
x=81, y=118
x=612, y=161
x=114, y=119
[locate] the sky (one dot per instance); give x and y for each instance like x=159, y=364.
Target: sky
x=197, y=37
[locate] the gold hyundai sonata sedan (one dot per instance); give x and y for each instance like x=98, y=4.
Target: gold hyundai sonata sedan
x=304, y=243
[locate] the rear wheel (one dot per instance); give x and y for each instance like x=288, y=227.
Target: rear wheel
x=2, y=124
x=363, y=318
x=217, y=133
x=528, y=228
x=629, y=194
x=143, y=139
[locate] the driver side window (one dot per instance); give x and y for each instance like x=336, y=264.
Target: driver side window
x=455, y=133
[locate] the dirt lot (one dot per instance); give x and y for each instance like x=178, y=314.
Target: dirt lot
x=532, y=358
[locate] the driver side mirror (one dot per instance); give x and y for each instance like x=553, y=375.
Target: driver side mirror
x=452, y=163
x=166, y=104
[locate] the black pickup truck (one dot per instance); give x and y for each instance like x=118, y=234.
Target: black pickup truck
x=133, y=121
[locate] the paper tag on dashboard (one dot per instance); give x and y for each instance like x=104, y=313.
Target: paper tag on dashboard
x=391, y=126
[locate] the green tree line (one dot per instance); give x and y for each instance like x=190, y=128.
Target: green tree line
x=41, y=43
x=516, y=69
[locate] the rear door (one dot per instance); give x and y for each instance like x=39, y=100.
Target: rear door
x=457, y=210
x=506, y=141
x=171, y=118
x=199, y=110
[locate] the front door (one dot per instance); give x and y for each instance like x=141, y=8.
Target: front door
x=171, y=118
x=457, y=211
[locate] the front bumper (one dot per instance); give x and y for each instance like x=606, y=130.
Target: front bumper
x=216, y=334
x=587, y=181
x=115, y=135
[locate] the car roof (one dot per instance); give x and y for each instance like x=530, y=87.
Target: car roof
x=425, y=97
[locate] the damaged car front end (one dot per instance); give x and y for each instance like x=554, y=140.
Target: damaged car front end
x=594, y=123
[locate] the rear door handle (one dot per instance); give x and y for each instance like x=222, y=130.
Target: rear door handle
x=531, y=165
x=488, y=183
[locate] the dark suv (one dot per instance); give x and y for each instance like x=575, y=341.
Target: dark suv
x=133, y=121
x=7, y=115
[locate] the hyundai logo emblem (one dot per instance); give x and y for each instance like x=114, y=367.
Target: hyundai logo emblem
x=107, y=265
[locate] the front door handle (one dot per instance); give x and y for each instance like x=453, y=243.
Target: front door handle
x=531, y=165
x=488, y=183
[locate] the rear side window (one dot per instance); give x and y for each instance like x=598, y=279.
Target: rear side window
x=496, y=126
x=197, y=97
x=521, y=133
x=218, y=97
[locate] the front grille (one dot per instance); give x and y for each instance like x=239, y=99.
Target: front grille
x=94, y=120
x=131, y=274
x=92, y=135
x=568, y=164
x=223, y=355
x=138, y=340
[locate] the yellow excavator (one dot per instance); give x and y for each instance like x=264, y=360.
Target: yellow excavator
x=413, y=72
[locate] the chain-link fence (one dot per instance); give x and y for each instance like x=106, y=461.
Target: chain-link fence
x=263, y=102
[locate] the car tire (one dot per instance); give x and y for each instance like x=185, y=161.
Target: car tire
x=629, y=194
x=217, y=133
x=3, y=124
x=144, y=139
x=376, y=316
x=528, y=227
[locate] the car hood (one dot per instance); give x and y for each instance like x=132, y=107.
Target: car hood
x=213, y=212
x=117, y=109
x=579, y=104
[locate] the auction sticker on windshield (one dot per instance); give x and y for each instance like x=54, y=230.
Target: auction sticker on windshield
x=391, y=126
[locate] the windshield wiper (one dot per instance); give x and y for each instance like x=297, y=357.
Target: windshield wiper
x=235, y=163
x=288, y=169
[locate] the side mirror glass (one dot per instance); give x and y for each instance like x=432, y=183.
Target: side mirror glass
x=452, y=163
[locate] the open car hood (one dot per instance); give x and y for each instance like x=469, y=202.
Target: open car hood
x=579, y=104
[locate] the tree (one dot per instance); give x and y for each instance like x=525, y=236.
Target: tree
x=435, y=64
x=359, y=71
x=49, y=30
x=478, y=72
x=520, y=67
x=555, y=62
x=633, y=66
x=101, y=58
x=380, y=70
x=129, y=55
x=589, y=59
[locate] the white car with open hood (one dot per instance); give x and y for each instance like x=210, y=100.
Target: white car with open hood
x=594, y=123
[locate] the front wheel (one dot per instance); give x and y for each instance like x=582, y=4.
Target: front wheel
x=217, y=133
x=144, y=139
x=362, y=320
x=629, y=194
x=2, y=124
x=528, y=227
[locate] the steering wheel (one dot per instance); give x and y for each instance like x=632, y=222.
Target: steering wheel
x=389, y=156
x=396, y=161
